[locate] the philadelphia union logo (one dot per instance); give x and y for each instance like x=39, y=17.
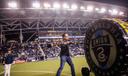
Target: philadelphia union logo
x=103, y=49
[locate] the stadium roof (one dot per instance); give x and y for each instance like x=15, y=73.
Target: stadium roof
x=115, y=2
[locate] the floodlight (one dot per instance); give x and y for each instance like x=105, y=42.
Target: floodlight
x=114, y=12
x=36, y=5
x=47, y=5
x=110, y=11
x=90, y=8
x=121, y=13
x=97, y=9
x=12, y=4
x=74, y=6
x=82, y=8
x=65, y=6
x=56, y=5
x=103, y=10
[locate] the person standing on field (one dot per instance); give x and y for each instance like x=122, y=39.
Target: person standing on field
x=8, y=61
x=65, y=55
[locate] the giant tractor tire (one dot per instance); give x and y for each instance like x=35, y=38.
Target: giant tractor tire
x=106, y=47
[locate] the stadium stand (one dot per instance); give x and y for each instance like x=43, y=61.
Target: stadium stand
x=30, y=51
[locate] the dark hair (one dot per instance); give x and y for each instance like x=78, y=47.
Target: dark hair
x=63, y=34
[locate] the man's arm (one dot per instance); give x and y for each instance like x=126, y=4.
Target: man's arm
x=4, y=57
x=72, y=43
x=3, y=61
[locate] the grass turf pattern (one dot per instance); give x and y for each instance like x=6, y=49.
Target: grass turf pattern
x=46, y=68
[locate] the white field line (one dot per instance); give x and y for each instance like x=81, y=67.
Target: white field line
x=35, y=71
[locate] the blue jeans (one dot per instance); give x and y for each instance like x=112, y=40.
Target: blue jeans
x=62, y=63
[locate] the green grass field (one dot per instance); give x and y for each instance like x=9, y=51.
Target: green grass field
x=46, y=68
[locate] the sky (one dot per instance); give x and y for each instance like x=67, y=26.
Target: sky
x=116, y=2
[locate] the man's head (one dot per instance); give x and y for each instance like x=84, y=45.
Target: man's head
x=9, y=51
x=65, y=36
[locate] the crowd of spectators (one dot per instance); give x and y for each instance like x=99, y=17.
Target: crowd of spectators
x=36, y=51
